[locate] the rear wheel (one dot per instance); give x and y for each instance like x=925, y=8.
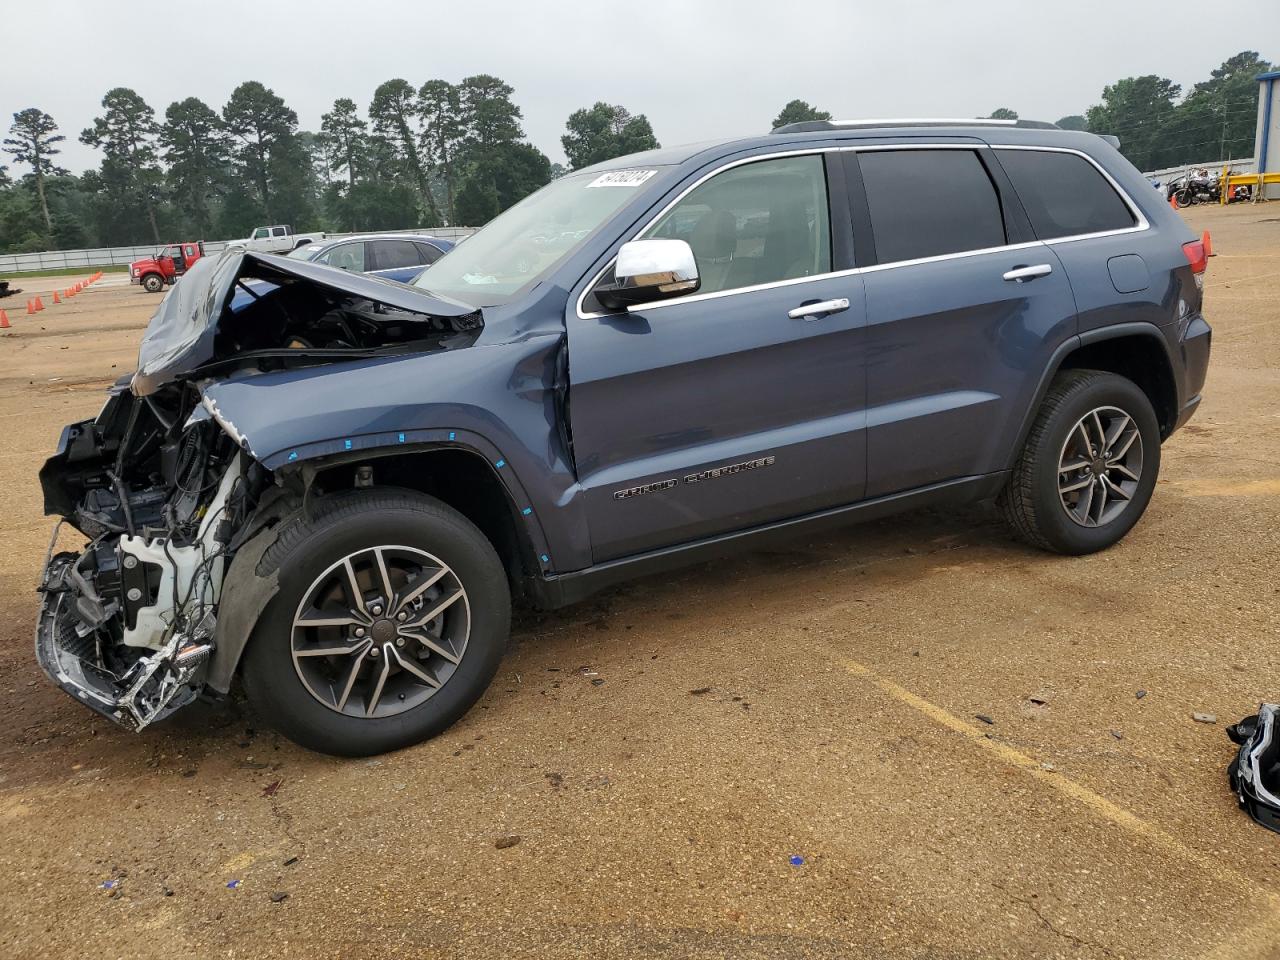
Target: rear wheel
x=153, y=283
x=1089, y=466
x=391, y=619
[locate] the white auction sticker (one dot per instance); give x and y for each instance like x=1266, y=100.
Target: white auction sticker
x=622, y=178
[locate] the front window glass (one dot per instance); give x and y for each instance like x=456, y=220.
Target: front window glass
x=757, y=223
x=524, y=243
x=345, y=256
x=261, y=233
x=307, y=252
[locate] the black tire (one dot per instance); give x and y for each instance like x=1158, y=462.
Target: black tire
x=1031, y=502
x=153, y=283
x=1184, y=198
x=341, y=527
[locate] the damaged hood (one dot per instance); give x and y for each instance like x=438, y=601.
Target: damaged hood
x=182, y=334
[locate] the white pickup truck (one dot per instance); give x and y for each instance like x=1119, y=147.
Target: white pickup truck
x=276, y=239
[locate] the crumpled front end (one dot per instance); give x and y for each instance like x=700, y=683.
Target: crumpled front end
x=126, y=625
x=166, y=490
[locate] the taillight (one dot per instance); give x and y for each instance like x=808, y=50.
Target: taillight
x=1194, y=249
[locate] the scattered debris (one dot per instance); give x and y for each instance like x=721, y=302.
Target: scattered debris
x=1117, y=734
x=291, y=861
x=502, y=843
x=271, y=789
x=555, y=779
x=1140, y=694
x=597, y=681
x=188, y=774
x=699, y=692
x=108, y=884
x=279, y=897
x=1038, y=701
x=233, y=884
x=1204, y=717
x=990, y=721
x=796, y=861
x=251, y=764
x=166, y=890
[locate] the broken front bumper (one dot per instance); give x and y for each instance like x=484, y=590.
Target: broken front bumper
x=68, y=649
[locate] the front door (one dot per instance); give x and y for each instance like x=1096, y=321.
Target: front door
x=737, y=405
x=964, y=313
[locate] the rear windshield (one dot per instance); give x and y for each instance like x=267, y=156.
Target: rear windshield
x=1064, y=194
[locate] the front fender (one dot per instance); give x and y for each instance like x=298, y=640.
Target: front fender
x=497, y=400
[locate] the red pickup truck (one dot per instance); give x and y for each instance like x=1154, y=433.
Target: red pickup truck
x=166, y=266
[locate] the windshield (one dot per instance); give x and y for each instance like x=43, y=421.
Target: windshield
x=522, y=244
x=305, y=252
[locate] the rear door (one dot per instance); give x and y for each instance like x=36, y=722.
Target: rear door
x=740, y=404
x=395, y=259
x=1120, y=271
x=964, y=310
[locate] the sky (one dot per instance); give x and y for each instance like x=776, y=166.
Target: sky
x=699, y=69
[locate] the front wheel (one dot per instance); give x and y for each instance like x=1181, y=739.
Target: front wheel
x=153, y=283
x=391, y=618
x=1184, y=198
x=1089, y=466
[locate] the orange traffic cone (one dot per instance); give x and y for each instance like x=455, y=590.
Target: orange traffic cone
x=4, y=320
x=31, y=307
x=56, y=299
x=1173, y=201
x=39, y=304
x=1208, y=244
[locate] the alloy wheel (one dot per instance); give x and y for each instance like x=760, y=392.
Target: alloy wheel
x=380, y=631
x=1100, y=466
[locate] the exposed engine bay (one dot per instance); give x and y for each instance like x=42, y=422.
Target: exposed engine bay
x=165, y=495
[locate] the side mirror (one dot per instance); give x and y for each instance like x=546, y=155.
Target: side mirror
x=652, y=269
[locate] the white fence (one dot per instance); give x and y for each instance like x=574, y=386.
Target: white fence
x=17, y=263
x=1243, y=165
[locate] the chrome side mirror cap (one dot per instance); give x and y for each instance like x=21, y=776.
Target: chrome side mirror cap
x=651, y=269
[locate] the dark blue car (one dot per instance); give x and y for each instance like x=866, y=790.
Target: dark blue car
x=391, y=256
x=394, y=256
x=336, y=493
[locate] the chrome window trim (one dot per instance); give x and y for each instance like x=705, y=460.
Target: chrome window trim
x=1140, y=220
x=1141, y=224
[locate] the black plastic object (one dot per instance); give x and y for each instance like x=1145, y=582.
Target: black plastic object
x=1255, y=772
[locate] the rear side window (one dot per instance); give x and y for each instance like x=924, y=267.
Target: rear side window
x=393, y=254
x=927, y=203
x=1064, y=194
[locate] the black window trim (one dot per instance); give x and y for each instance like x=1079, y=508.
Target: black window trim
x=983, y=148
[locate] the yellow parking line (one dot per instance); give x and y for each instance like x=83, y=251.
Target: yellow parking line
x=1095, y=802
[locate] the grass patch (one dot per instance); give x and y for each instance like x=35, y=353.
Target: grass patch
x=67, y=272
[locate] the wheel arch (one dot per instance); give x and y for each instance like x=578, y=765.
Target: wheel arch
x=462, y=477
x=1136, y=351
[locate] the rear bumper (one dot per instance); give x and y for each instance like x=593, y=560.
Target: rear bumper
x=1193, y=350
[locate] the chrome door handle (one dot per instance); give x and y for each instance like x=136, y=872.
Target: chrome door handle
x=811, y=310
x=1019, y=274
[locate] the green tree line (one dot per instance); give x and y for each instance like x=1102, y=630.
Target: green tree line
x=435, y=154
x=416, y=156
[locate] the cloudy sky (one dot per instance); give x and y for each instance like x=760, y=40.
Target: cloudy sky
x=698, y=68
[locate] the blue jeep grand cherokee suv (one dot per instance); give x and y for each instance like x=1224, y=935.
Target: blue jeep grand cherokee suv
x=335, y=493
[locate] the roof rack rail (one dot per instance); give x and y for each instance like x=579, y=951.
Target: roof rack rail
x=812, y=126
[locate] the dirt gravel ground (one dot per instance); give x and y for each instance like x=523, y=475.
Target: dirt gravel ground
x=819, y=702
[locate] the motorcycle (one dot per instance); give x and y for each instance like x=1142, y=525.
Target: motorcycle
x=1198, y=187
